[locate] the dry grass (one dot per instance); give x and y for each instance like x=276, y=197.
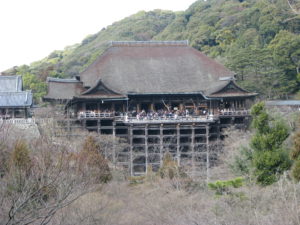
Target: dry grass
x=158, y=203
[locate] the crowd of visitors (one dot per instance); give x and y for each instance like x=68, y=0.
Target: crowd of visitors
x=157, y=115
x=164, y=114
x=143, y=115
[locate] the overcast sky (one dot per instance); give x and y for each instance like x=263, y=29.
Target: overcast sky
x=31, y=29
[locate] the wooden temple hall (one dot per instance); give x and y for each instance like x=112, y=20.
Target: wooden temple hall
x=161, y=97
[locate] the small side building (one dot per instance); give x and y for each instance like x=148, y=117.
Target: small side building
x=60, y=91
x=14, y=102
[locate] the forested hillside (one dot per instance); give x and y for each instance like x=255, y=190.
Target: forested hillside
x=258, y=39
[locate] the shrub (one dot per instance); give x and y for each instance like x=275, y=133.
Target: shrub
x=295, y=155
x=92, y=162
x=224, y=187
x=170, y=169
x=20, y=156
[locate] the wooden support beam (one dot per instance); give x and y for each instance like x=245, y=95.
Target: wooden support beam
x=178, y=144
x=113, y=106
x=130, y=138
x=161, y=143
x=26, y=113
x=207, y=153
x=68, y=123
x=152, y=106
x=138, y=107
x=181, y=106
x=99, y=126
x=146, y=148
x=193, y=149
x=114, y=143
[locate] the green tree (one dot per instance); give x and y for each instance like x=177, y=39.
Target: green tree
x=286, y=51
x=31, y=82
x=270, y=158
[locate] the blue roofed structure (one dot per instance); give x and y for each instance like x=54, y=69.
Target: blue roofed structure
x=14, y=102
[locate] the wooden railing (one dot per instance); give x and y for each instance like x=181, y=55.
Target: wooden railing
x=18, y=121
x=171, y=118
x=235, y=113
x=91, y=114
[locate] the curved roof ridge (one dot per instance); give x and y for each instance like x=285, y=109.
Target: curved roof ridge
x=9, y=76
x=99, y=81
x=148, y=43
x=62, y=80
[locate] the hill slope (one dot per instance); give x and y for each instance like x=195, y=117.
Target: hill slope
x=258, y=39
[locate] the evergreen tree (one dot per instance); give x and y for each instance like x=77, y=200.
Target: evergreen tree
x=270, y=158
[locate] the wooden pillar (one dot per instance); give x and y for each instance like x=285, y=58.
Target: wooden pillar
x=68, y=123
x=181, y=107
x=161, y=143
x=178, y=144
x=207, y=153
x=98, y=106
x=138, y=107
x=84, y=106
x=113, y=106
x=114, y=142
x=146, y=148
x=152, y=106
x=218, y=130
x=193, y=149
x=99, y=126
x=25, y=113
x=131, y=149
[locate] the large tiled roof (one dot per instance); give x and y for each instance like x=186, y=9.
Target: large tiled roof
x=155, y=67
x=10, y=83
x=147, y=67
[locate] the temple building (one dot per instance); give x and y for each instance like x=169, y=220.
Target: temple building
x=162, y=96
x=14, y=102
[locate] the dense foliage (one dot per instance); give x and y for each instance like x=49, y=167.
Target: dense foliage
x=270, y=157
x=258, y=39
